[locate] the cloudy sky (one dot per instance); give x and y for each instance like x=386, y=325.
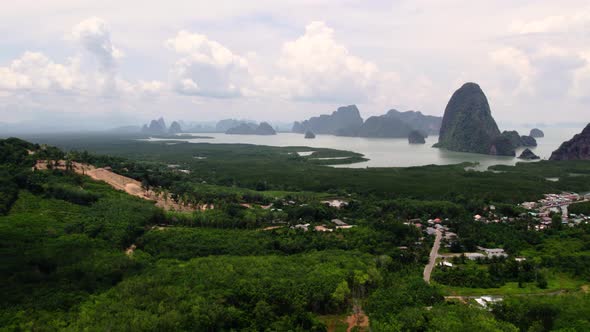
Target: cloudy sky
x=110, y=62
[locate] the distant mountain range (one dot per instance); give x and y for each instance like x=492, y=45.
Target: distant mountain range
x=158, y=127
x=344, y=118
x=346, y=121
x=251, y=129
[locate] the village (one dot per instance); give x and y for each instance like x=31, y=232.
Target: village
x=542, y=210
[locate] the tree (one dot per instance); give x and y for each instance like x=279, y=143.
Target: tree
x=341, y=294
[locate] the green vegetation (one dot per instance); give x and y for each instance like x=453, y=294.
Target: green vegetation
x=79, y=255
x=264, y=168
x=219, y=293
x=550, y=313
x=580, y=208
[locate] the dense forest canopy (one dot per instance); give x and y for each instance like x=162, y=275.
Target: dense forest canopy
x=79, y=255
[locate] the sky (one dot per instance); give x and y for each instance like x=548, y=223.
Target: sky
x=113, y=63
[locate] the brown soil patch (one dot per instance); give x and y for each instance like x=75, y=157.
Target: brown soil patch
x=357, y=319
x=585, y=288
x=119, y=182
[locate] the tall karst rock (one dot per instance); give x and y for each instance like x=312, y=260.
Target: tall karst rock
x=578, y=148
x=175, y=128
x=468, y=125
x=343, y=118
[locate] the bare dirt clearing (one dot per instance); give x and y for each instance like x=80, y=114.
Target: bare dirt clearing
x=119, y=182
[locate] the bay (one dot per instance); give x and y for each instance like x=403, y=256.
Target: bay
x=393, y=152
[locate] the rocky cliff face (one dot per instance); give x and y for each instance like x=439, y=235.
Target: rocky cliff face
x=578, y=148
x=265, y=129
x=224, y=125
x=426, y=124
x=346, y=121
x=518, y=141
x=416, y=137
x=468, y=125
x=175, y=128
x=379, y=126
x=251, y=129
x=537, y=133
x=528, y=141
x=513, y=136
x=343, y=118
x=155, y=127
x=527, y=154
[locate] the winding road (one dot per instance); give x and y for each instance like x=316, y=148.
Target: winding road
x=433, y=255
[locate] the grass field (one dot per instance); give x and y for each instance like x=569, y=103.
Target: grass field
x=557, y=283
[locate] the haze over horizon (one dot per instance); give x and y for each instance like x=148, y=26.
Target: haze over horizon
x=107, y=64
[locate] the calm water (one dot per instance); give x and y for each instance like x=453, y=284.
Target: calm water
x=397, y=152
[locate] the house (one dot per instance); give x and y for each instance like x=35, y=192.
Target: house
x=430, y=231
x=485, y=301
x=344, y=227
x=520, y=259
x=322, y=228
x=302, y=226
x=474, y=255
x=450, y=235
x=336, y=203
x=445, y=263
x=496, y=252
x=339, y=222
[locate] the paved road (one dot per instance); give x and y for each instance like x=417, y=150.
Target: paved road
x=433, y=254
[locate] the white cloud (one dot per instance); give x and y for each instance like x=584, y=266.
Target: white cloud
x=385, y=54
x=206, y=68
x=518, y=63
x=315, y=67
x=553, y=23
x=150, y=87
x=93, y=34
x=34, y=71
x=581, y=85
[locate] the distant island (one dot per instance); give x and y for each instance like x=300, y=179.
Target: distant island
x=537, y=133
x=578, y=148
x=343, y=117
x=309, y=135
x=527, y=154
x=158, y=127
x=416, y=137
x=517, y=140
x=250, y=129
x=346, y=121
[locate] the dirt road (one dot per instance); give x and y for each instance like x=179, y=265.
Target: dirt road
x=433, y=255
